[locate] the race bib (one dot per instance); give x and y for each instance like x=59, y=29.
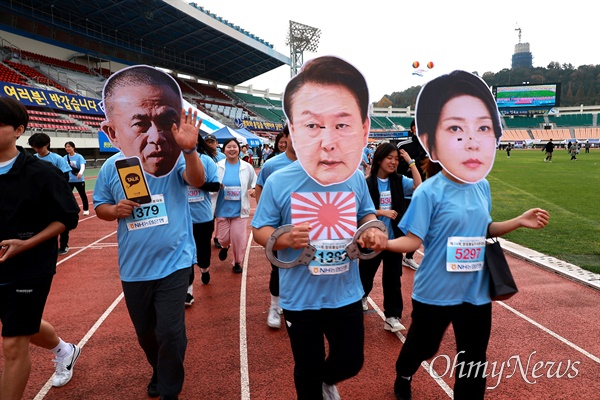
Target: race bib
x=332, y=217
x=385, y=200
x=148, y=215
x=465, y=254
x=232, y=193
x=195, y=195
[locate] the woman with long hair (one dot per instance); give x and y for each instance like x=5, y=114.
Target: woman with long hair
x=233, y=203
x=388, y=190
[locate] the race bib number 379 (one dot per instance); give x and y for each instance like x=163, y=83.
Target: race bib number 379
x=148, y=215
x=465, y=254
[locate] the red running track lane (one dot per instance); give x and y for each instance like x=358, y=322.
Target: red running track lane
x=552, y=320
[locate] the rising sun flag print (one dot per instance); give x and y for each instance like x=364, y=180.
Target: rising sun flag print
x=331, y=215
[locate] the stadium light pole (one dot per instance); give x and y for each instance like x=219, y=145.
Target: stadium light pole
x=301, y=38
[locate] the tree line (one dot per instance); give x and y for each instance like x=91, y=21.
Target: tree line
x=578, y=85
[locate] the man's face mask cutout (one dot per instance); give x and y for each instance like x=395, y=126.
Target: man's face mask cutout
x=326, y=127
x=141, y=104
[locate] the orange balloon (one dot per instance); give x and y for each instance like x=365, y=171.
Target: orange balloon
x=430, y=64
x=416, y=64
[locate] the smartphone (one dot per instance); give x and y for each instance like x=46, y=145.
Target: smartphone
x=133, y=180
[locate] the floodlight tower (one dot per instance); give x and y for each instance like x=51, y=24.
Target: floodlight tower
x=301, y=38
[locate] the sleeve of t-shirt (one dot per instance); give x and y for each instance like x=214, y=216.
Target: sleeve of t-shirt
x=102, y=192
x=417, y=217
x=407, y=186
x=267, y=212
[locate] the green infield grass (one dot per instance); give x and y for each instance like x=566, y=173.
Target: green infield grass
x=569, y=190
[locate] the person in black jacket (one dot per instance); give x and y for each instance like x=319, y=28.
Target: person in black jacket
x=416, y=152
x=388, y=190
x=36, y=205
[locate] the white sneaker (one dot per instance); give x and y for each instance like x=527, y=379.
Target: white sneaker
x=365, y=303
x=86, y=212
x=64, y=367
x=410, y=263
x=273, y=319
x=393, y=324
x=330, y=392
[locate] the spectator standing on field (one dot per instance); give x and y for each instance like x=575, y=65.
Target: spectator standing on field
x=549, y=149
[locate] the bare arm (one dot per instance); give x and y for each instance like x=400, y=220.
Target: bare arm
x=536, y=218
x=404, y=244
x=257, y=192
x=297, y=238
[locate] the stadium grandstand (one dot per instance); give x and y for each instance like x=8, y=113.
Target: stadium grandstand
x=55, y=57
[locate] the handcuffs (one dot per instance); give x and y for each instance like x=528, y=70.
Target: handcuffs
x=352, y=249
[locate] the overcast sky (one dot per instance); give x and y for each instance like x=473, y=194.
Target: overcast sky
x=383, y=38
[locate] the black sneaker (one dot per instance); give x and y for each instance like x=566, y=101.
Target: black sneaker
x=223, y=253
x=63, y=251
x=217, y=244
x=189, y=300
x=153, y=386
x=237, y=269
x=205, y=277
x=402, y=389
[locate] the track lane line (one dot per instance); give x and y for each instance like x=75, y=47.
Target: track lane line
x=244, y=375
x=48, y=385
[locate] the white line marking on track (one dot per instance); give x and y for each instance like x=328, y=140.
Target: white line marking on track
x=244, y=376
x=424, y=364
x=93, y=244
x=46, y=388
x=551, y=333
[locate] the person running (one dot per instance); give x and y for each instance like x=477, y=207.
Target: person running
x=203, y=219
x=270, y=166
x=549, y=149
x=324, y=197
x=40, y=142
x=237, y=179
x=145, y=120
x=76, y=180
x=35, y=206
x=388, y=190
x=459, y=125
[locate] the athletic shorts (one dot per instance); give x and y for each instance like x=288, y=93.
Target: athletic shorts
x=22, y=305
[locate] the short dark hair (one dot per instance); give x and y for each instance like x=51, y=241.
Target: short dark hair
x=329, y=70
x=436, y=93
x=226, y=142
x=39, y=140
x=13, y=113
x=137, y=75
x=70, y=144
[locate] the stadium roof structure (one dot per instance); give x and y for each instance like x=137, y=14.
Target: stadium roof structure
x=171, y=34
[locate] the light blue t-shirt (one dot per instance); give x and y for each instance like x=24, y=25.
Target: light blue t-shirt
x=385, y=199
x=199, y=199
x=219, y=156
x=55, y=160
x=7, y=165
x=299, y=289
x=76, y=161
x=229, y=200
x=273, y=164
x=159, y=240
x=440, y=209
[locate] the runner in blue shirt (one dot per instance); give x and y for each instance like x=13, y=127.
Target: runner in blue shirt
x=459, y=126
x=274, y=164
x=156, y=246
x=76, y=179
x=41, y=144
x=325, y=198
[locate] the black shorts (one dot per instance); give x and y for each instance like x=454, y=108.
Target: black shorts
x=22, y=305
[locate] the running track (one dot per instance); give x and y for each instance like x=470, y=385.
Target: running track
x=551, y=327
